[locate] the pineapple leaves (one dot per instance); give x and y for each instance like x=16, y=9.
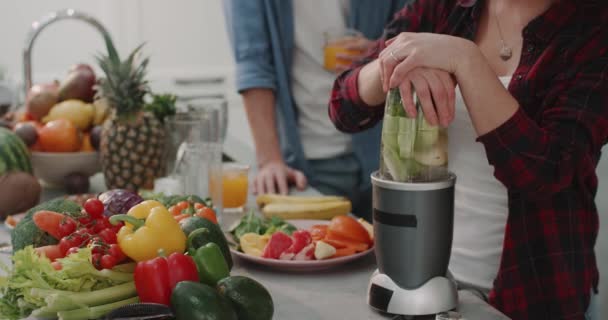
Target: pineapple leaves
x=124, y=84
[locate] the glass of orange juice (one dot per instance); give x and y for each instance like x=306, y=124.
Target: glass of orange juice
x=336, y=44
x=235, y=185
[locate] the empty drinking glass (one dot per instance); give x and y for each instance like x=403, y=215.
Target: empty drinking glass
x=196, y=152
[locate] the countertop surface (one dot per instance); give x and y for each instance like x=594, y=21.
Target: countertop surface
x=338, y=293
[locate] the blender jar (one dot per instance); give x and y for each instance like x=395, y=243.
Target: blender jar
x=412, y=150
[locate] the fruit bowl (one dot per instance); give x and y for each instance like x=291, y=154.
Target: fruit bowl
x=52, y=167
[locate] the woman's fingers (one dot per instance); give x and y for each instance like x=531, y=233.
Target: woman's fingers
x=450, y=86
x=424, y=95
x=439, y=95
x=407, y=98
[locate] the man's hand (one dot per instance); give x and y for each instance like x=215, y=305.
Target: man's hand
x=276, y=176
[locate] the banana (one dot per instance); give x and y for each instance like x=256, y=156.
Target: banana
x=266, y=199
x=307, y=210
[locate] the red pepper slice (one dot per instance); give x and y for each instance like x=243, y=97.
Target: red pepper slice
x=156, y=278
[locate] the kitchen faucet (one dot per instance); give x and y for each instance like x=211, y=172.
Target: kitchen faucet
x=39, y=25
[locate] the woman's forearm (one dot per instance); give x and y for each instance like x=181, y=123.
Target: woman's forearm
x=369, y=84
x=489, y=103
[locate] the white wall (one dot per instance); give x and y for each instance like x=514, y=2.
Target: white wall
x=183, y=37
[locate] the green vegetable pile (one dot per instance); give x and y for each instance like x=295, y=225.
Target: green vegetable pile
x=251, y=223
x=412, y=149
x=78, y=291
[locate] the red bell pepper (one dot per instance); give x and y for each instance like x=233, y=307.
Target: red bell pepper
x=156, y=278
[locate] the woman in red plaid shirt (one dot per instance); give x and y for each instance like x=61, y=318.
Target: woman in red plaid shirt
x=541, y=132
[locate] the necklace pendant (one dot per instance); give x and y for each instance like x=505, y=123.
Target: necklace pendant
x=506, y=53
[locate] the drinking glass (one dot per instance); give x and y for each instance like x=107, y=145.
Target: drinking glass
x=235, y=183
x=207, y=104
x=336, y=41
x=196, y=148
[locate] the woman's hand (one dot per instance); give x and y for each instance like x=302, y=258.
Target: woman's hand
x=436, y=91
x=409, y=51
x=275, y=177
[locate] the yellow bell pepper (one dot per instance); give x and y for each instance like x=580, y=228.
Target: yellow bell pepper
x=149, y=228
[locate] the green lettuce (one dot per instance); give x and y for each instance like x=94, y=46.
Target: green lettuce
x=31, y=271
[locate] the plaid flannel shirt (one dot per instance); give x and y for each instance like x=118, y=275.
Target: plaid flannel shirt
x=545, y=154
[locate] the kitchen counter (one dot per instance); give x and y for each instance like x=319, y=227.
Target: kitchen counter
x=338, y=293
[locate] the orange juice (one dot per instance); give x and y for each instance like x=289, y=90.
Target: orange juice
x=234, y=186
x=331, y=50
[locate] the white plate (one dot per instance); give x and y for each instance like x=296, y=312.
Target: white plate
x=311, y=265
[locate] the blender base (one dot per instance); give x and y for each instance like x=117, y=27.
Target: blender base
x=437, y=295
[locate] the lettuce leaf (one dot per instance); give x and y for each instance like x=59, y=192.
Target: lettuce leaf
x=29, y=271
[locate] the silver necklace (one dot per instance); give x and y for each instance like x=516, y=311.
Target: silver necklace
x=505, y=51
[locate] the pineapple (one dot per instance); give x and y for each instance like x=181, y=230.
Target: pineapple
x=132, y=140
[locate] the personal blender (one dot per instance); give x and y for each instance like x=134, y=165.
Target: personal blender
x=413, y=214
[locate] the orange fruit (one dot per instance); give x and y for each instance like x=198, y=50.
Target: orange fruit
x=86, y=143
x=347, y=228
x=59, y=136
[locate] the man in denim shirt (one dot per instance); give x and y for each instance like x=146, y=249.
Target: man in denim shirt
x=278, y=48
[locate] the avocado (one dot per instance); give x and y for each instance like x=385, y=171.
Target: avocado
x=249, y=298
x=197, y=301
x=26, y=233
x=215, y=235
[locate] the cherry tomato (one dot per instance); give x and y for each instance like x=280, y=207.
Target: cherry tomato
x=85, y=220
x=108, y=261
x=96, y=260
x=67, y=227
x=71, y=250
x=97, y=226
x=94, y=208
x=56, y=265
x=117, y=227
x=208, y=214
x=108, y=236
x=116, y=252
x=97, y=245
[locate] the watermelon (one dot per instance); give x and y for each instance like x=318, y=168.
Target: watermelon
x=14, y=155
x=301, y=239
x=278, y=243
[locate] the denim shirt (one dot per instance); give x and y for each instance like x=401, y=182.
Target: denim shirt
x=262, y=37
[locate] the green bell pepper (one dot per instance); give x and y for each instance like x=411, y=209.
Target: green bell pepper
x=210, y=261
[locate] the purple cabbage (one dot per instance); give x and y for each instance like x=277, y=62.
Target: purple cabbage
x=118, y=201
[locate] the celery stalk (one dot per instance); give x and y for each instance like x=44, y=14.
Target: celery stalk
x=94, y=312
x=406, y=137
x=65, y=300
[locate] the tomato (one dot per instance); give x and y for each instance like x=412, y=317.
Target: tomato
x=72, y=250
x=117, y=227
x=108, y=261
x=57, y=265
x=85, y=220
x=96, y=260
x=67, y=227
x=97, y=245
x=116, y=252
x=198, y=206
x=76, y=239
x=208, y=214
x=97, y=226
x=349, y=229
x=94, y=207
x=108, y=236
